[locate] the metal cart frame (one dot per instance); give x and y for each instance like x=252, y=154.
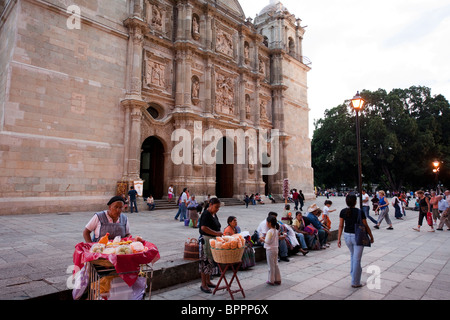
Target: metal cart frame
x=98, y=271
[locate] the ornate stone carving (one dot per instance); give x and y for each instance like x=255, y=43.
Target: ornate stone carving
x=155, y=74
x=248, y=109
x=157, y=18
x=224, y=94
x=195, y=90
x=224, y=43
x=262, y=67
x=263, y=108
x=195, y=28
x=246, y=53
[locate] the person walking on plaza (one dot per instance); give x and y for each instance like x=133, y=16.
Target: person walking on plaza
x=301, y=199
x=375, y=200
x=444, y=208
x=295, y=197
x=132, y=197
x=424, y=208
x=366, y=206
x=347, y=220
x=170, y=193
x=434, y=202
x=396, y=203
x=383, y=207
x=271, y=246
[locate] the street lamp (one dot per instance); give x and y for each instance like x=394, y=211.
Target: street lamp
x=358, y=104
x=436, y=169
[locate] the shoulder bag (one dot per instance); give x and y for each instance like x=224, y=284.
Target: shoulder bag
x=361, y=236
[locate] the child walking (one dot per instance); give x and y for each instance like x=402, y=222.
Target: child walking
x=271, y=246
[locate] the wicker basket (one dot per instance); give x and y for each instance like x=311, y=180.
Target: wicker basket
x=102, y=263
x=191, y=250
x=227, y=256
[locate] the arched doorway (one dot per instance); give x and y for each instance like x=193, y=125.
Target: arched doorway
x=224, y=169
x=152, y=167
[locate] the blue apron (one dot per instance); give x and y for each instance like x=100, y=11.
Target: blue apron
x=114, y=229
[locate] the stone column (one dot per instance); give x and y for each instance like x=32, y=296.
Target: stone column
x=133, y=103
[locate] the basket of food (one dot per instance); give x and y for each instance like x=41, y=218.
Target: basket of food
x=105, y=248
x=228, y=249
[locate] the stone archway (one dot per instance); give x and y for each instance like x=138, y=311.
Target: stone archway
x=152, y=167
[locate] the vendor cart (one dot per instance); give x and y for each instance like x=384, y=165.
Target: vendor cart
x=106, y=283
x=115, y=276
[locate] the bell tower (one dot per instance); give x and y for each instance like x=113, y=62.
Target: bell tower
x=283, y=36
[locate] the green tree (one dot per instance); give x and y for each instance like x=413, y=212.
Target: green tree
x=402, y=132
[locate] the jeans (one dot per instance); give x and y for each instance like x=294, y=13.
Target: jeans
x=355, y=257
x=366, y=211
x=151, y=206
x=282, y=248
x=183, y=212
x=323, y=237
x=301, y=239
x=133, y=204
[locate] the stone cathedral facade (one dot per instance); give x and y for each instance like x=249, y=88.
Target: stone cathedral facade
x=98, y=95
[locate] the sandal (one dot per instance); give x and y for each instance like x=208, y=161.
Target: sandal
x=205, y=290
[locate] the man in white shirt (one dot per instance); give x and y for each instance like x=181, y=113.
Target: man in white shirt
x=366, y=206
x=282, y=246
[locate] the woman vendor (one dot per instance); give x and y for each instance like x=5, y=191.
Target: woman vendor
x=209, y=228
x=110, y=221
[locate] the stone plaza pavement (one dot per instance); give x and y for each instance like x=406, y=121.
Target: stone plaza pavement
x=36, y=258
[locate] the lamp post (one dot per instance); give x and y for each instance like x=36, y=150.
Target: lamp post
x=357, y=104
x=436, y=169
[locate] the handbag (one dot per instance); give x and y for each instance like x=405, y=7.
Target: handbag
x=310, y=229
x=361, y=236
x=430, y=219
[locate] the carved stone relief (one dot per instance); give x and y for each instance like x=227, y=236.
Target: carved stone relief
x=195, y=27
x=224, y=43
x=157, y=18
x=246, y=53
x=262, y=67
x=224, y=94
x=195, y=90
x=263, y=108
x=155, y=74
x=248, y=109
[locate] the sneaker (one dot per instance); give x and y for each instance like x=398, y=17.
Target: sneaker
x=416, y=229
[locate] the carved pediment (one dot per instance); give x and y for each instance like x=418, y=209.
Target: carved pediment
x=232, y=5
